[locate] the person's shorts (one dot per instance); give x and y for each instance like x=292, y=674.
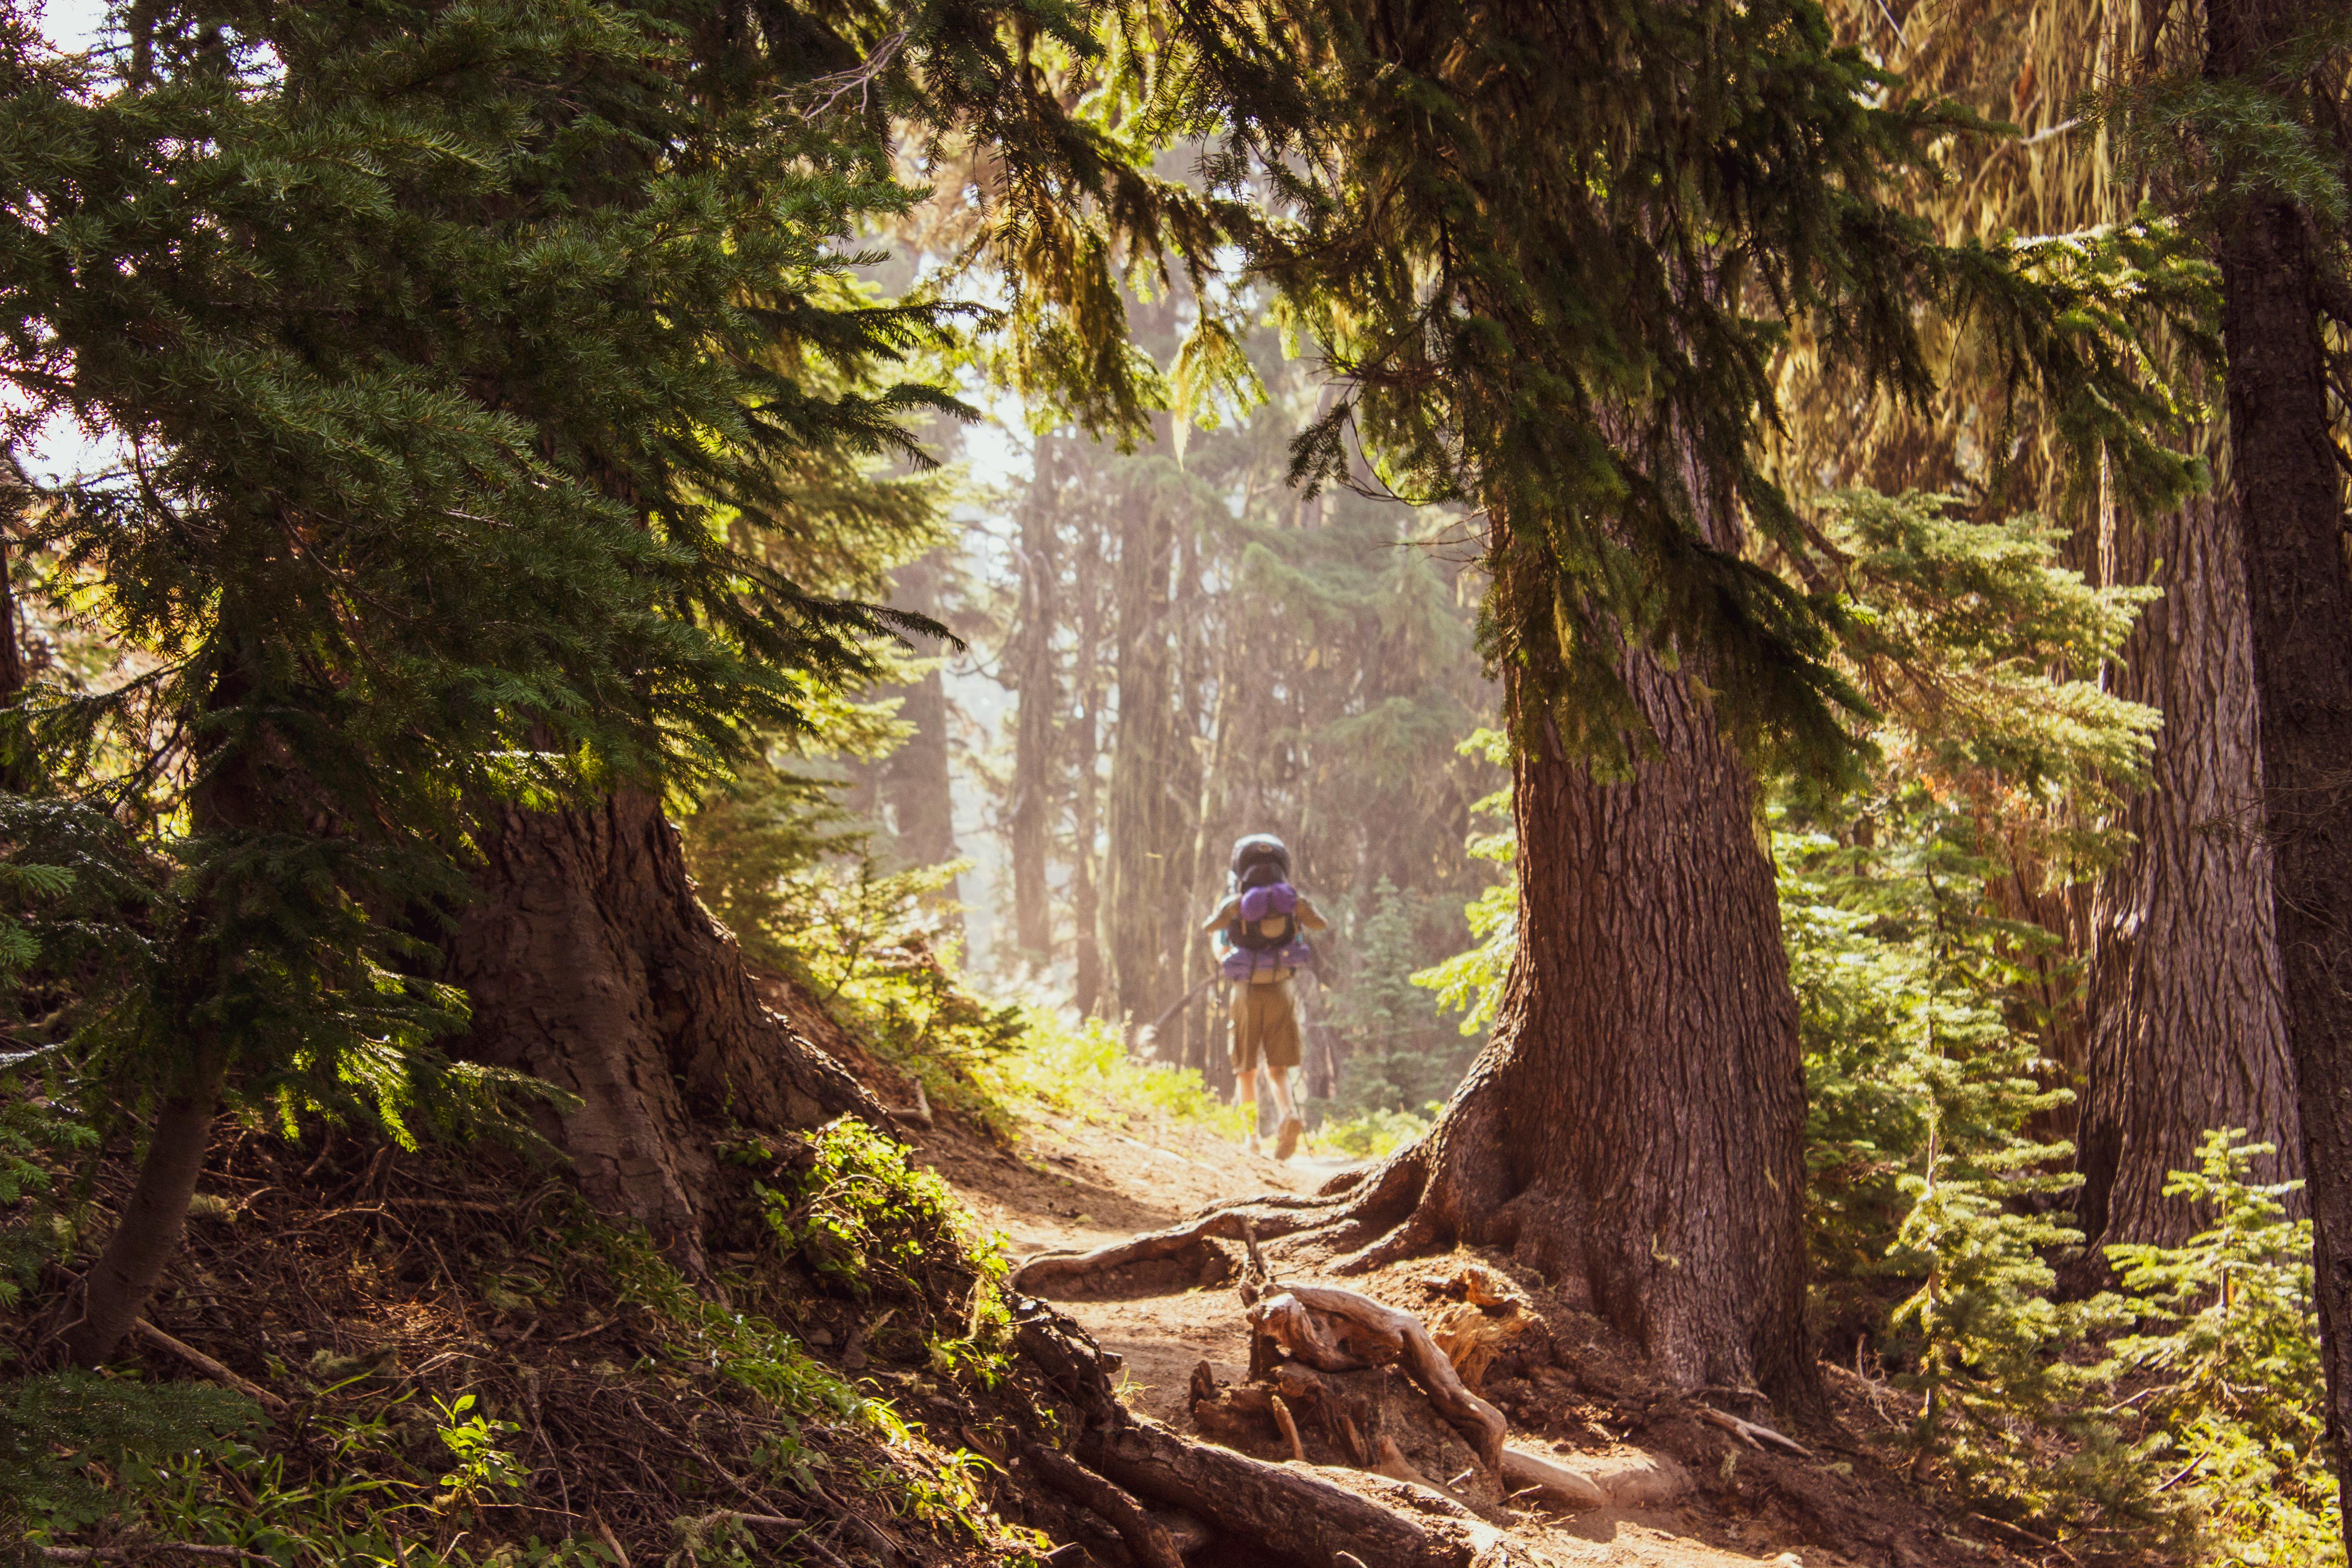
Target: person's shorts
x=1265, y=1027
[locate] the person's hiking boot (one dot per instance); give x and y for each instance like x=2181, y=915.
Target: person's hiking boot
x=1251, y=1144
x=1288, y=1144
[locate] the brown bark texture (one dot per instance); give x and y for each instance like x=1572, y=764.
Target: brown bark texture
x=2186, y=1030
x=1638, y=1122
x=592, y=965
x=2291, y=504
x=146, y=1235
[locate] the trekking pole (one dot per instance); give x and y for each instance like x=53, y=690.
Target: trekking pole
x=1152, y=1031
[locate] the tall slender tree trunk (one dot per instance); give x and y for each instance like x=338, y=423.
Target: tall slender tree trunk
x=1199, y=873
x=1086, y=899
x=916, y=781
x=1030, y=819
x=2291, y=509
x=1143, y=872
x=2186, y=1031
x=91, y=1320
x=592, y=965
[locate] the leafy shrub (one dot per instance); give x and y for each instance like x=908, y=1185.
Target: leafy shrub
x=866, y=1221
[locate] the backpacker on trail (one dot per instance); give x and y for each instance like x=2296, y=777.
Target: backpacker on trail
x=1259, y=932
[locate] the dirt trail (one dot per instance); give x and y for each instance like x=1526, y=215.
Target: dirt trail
x=1077, y=1183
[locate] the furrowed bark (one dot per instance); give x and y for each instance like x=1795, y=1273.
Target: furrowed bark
x=591, y=964
x=2291, y=511
x=1636, y=1126
x=2186, y=1031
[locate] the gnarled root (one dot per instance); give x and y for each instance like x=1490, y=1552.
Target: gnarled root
x=1305, y=1514
x=1360, y=1210
x=1303, y=1318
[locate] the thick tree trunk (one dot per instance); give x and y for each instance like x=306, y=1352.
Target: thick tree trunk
x=2186, y=1030
x=1029, y=661
x=592, y=965
x=2290, y=516
x=1637, y=1124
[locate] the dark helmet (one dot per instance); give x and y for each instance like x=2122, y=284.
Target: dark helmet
x=1259, y=853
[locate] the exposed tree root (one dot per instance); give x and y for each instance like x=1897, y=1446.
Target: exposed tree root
x=1305, y=1514
x=1145, y=1538
x=1301, y=1318
x=1328, y=1225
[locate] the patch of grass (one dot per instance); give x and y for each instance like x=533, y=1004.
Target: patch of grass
x=1368, y=1134
x=1083, y=1069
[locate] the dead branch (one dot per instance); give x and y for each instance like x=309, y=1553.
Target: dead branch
x=1289, y=1425
x=1555, y=1483
x=1380, y=1324
x=1750, y=1432
x=209, y=1367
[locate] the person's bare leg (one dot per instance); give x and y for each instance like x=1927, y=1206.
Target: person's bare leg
x=1288, y=1124
x=1245, y=1085
x=1278, y=1079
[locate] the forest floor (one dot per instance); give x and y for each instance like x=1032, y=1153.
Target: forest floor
x=1079, y=1180
x=368, y=1297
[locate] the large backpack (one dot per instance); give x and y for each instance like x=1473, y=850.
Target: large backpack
x=1264, y=938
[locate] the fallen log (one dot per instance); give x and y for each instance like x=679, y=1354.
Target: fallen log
x=1299, y=1318
x=1310, y=1514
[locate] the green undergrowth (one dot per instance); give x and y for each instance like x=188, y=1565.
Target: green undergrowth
x=1083, y=1068
x=1369, y=1134
x=872, y=1228
x=447, y=1465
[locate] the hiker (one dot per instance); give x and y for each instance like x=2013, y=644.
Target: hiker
x=1260, y=937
